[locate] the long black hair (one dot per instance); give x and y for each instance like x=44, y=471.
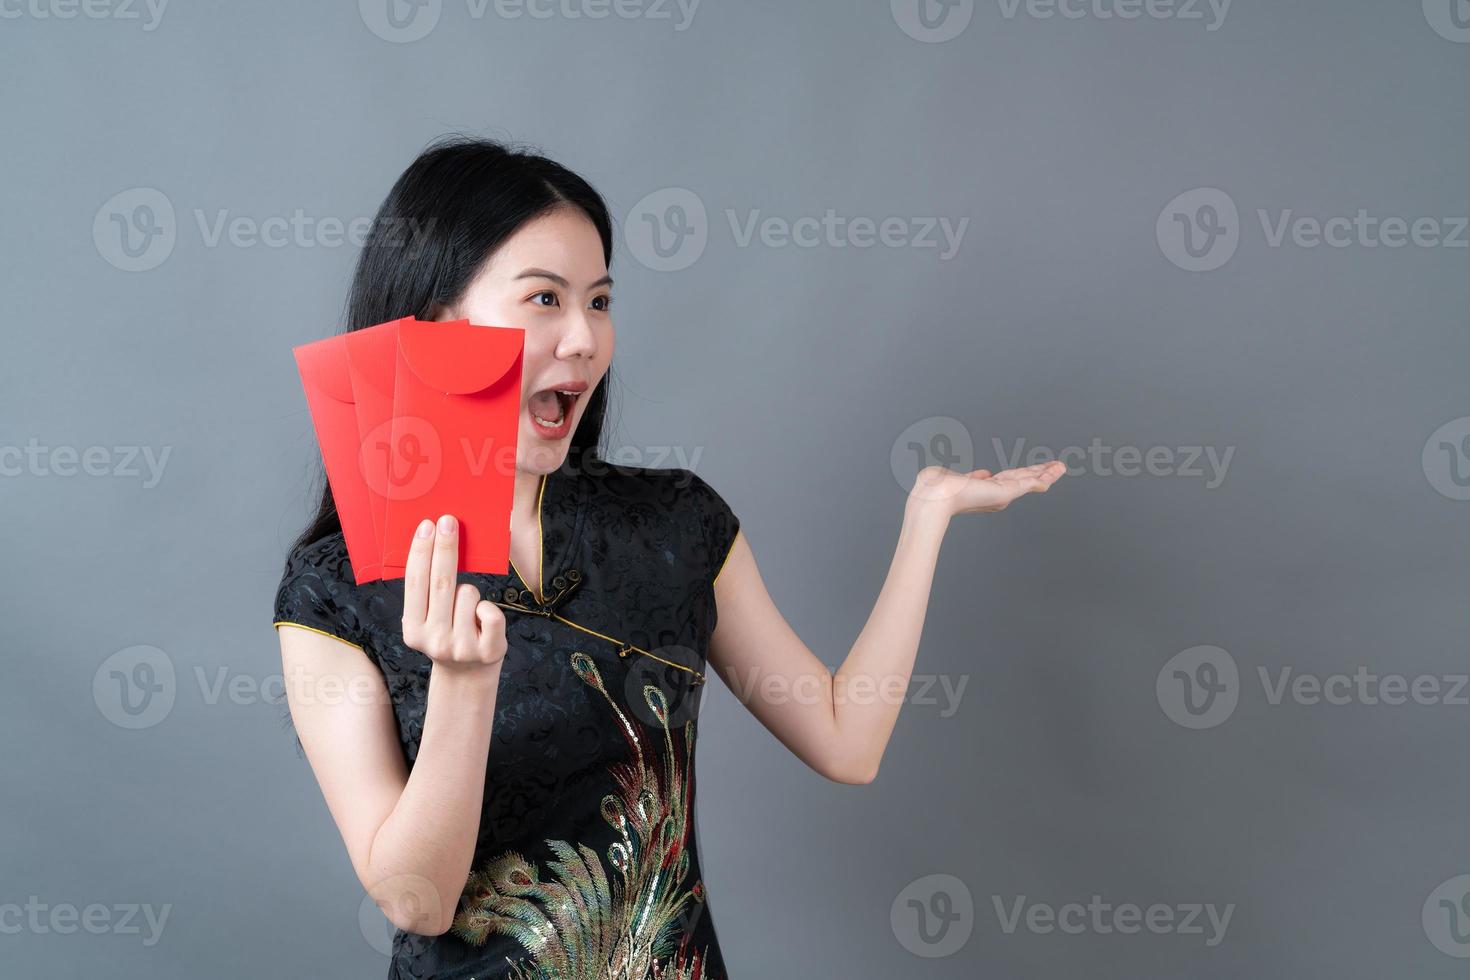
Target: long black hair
x=455, y=205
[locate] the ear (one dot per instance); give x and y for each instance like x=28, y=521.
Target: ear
x=440, y=312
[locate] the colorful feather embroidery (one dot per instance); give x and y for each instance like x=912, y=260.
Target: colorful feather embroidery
x=589, y=921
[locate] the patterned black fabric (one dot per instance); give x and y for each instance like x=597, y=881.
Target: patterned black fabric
x=587, y=852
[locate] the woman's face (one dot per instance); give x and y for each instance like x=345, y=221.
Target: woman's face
x=549, y=278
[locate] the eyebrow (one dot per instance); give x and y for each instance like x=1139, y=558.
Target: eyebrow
x=561, y=280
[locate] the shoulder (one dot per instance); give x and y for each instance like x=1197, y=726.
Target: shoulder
x=318, y=590
x=679, y=498
x=678, y=489
x=718, y=522
x=323, y=563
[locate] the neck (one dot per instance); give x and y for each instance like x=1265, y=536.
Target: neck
x=527, y=489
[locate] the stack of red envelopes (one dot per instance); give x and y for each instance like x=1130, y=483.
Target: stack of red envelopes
x=416, y=419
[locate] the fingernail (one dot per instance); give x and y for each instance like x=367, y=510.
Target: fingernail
x=426, y=528
x=446, y=524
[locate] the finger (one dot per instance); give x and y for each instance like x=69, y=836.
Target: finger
x=1025, y=474
x=416, y=574
x=492, y=628
x=1016, y=483
x=1032, y=484
x=443, y=572
x=1030, y=480
x=1004, y=475
x=466, y=634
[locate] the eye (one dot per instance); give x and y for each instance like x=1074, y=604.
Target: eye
x=605, y=303
x=546, y=293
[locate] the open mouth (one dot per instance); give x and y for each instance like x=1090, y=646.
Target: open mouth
x=551, y=409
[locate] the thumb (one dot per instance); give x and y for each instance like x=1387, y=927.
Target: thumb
x=491, y=619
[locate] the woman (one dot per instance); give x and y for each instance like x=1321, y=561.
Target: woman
x=510, y=758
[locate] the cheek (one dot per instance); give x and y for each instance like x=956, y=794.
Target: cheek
x=538, y=359
x=605, y=345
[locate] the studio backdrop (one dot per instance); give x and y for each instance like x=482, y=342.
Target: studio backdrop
x=1200, y=711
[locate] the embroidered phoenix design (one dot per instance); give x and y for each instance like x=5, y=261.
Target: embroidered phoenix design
x=587, y=920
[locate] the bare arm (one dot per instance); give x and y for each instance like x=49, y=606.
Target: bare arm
x=410, y=836
x=839, y=724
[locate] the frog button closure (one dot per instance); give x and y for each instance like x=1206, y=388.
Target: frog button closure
x=525, y=600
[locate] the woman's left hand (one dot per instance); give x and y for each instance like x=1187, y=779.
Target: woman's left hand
x=980, y=491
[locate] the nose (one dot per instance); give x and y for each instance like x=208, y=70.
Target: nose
x=578, y=339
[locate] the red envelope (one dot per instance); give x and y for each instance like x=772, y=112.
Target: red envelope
x=329, y=396
x=456, y=416
x=372, y=357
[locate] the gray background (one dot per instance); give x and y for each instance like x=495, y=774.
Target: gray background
x=787, y=376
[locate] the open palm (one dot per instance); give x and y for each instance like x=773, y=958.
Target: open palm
x=980, y=491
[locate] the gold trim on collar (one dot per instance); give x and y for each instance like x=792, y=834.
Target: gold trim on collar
x=546, y=605
x=625, y=648
x=539, y=592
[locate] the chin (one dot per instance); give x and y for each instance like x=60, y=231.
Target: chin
x=540, y=456
x=542, y=459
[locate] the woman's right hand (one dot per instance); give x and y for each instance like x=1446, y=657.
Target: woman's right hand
x=448, y=623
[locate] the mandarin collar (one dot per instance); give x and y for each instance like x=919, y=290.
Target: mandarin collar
x=559, y=520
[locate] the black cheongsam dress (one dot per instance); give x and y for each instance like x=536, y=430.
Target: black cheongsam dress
x=586, y=864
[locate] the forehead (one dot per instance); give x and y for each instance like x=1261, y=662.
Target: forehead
x=564, y=241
